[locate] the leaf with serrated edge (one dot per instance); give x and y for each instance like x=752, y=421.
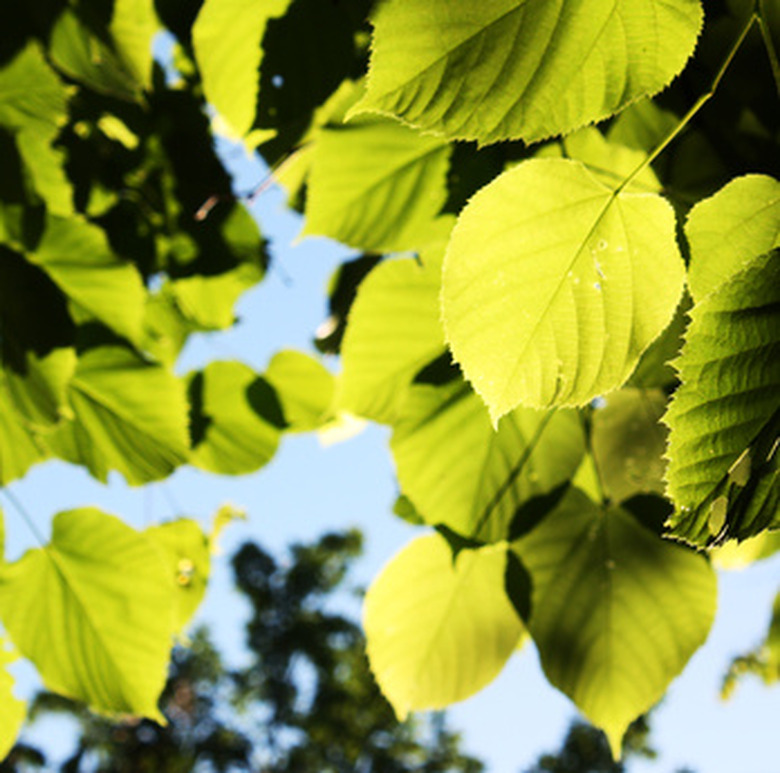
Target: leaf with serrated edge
x=724, y=418
x=522, y=69
x=437, y=629
x=554, y=285
x=728, y=230
x=461, y=473
x=616, y=612
x=93, y=610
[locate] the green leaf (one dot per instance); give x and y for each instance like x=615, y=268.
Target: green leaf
x=133, y=27
x=236, y=419
x=724, y=418
x=376, y=185
x=739, y=555
x=188, y=559
x=393, y=331
x=94, y=59
x=616, y=612
x=513, y=69
x=226, y=38
x=305, y=388
x=12, y=710
x=19, y=448
x=77, y=257
x=130, y=416
x=628, y=442
x=93, y=611
x=461, y=473
x=728, y=230
x=554, y=284
x=33, y=104
x=438, y=629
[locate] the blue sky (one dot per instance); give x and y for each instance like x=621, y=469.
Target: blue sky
x=308, y=489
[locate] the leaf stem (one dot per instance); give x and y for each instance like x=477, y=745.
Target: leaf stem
x=769, y=44
x=698, y=104
x=19, y=507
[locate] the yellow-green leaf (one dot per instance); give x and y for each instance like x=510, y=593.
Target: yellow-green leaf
x=438, y=630
x=554, y=284
x=93, y=611
x=523, y=69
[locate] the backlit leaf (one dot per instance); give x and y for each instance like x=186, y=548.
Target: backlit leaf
x=304, y=387
x=76, y=255
x=375, y=185
x=236, y=418
x=628, y=442
x=188, y=559
x=393, y=331
x=728, y=230
x=523, y=69
x=93, y=610
x=12, y=710
x=470, y=628
x=130, y=416
x=19, y=448
x=616, y=612
x=725, y=417
x=554, y=285
x=226, y=37
x=460, y=472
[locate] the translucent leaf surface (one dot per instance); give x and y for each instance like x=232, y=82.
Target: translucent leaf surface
x=375, y=186
x=725, y=417
x=188, y=559
x=728, y=230
x=19, y=448
x=12, y=710
x=130, y=416
x=628, y=442
x=132, y=28
x=523, y=69
x=460, y=472
x=76, y=255
x=439, y=630
x=236, y=419
x=393, y=332
x=616, y=612
x=226, y=37
x=554, y=285
x=93, y=610
x=304, y=387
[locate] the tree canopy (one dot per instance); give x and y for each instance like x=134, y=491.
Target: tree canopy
x=563, y=304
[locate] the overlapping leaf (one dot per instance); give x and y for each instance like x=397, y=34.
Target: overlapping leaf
x=236, y=418
x=226, y=37
x=393, y=331
x=376, y=185
x=76, y=255
x=615, y=611
x=523, y=69
x=304, y=387
x=628, y=442
x=470, y=628
x=728, y=230
x=130, y=416
x=460, y=472
x=554, y=284
x=93, y=610
x=725, y=417
x=19, y=448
